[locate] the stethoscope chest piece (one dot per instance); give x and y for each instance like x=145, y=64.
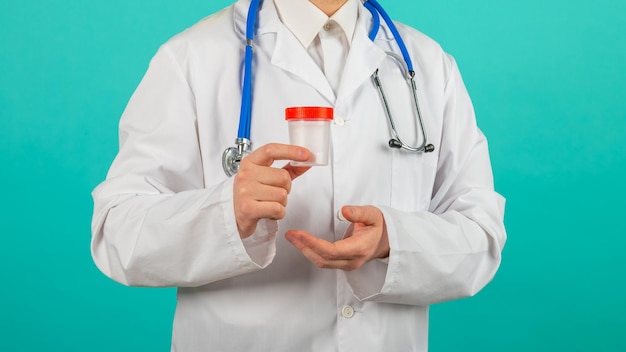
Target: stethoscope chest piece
x=232, y=156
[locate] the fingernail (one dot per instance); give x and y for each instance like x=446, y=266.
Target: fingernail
x=301, y=154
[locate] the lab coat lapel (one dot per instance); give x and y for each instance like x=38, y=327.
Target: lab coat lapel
x=288, y=54
x=363, y=59
x=292, y=57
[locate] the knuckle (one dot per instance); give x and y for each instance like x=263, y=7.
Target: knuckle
x=267, y=150
x=278, y=211
x=282, y=198
x=285, y=178
x=243, y=176
x=246, y=208
x=244, y=165
x=242, y=193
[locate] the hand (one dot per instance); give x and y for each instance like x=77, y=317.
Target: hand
x=367, y=241
x=259, y=190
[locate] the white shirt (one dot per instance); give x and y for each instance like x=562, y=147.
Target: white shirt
x=164, y=215
x=327, y=39
x=305, y=20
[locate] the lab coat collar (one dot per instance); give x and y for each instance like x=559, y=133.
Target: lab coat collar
x=267, y=21
x=305, y=20
x=363, y=58
x=292, y=57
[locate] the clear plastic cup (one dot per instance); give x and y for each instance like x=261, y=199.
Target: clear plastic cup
x=309, y=127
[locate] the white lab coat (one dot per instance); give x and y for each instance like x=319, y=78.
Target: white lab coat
x=164, y=216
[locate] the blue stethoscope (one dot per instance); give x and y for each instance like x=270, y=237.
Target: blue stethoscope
x=233, y=155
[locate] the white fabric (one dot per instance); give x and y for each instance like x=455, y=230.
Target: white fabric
x=334, y=51
x=327, y=39
x=305, y=20
x=164, y=215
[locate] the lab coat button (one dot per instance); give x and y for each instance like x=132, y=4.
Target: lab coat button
x=347, y=311
x=327, y=26
x=339, y=121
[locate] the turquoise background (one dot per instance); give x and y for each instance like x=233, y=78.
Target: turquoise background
x=547, y=80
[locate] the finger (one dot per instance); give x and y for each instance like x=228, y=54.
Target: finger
x=317, y=259
x=256, y=210
x=370, y=226
x=272, y=210
x=353, y=247
x=321, y=262
x=265, y=193
x=249, y=179
x=272, y=177
x=346, y=249
x=295, y=171
x=267, y=154
x=366, y=215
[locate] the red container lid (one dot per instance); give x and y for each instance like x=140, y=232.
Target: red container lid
x=309, y=112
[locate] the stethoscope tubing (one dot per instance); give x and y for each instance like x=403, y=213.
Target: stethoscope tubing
x=245, y=115
x=375, y=7
x=233, y=155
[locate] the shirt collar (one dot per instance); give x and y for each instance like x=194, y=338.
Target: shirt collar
x=305, y=20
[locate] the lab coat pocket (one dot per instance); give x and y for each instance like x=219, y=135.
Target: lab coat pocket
x=412, y=177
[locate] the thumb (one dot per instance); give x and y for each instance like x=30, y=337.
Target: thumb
x=367, y=215
x=295, y=171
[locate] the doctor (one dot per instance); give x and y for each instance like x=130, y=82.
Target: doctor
x=261, y=260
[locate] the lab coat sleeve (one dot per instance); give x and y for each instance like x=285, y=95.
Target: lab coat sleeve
x=454, y=249
x=155, y=222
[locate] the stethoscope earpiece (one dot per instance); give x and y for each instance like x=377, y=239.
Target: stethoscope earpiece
x=396, y=144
